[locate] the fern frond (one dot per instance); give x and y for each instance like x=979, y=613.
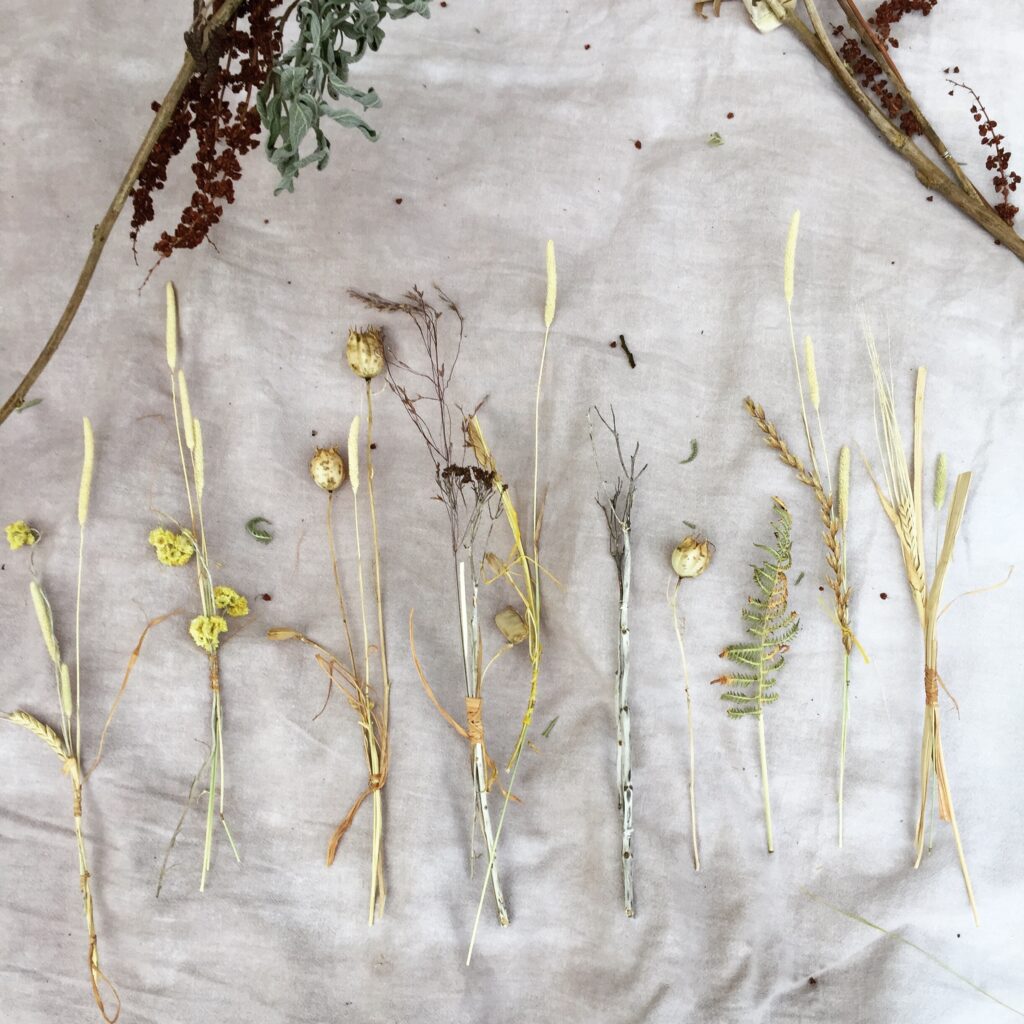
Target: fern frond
x=769, y=621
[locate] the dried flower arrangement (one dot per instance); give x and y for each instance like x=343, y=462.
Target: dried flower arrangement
x=178, y=549
x=473, y=497
x=366, y=357
x=67, y=743
x=690, y=557
x=902, y=499
x=616, y=502
x=865, y=69
x=833, y=503
x=234, y=55
x=772, y=625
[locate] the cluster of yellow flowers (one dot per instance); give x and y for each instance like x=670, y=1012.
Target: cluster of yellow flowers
x=230, y=601
x=20, y=535
x=205, y=630
x=171, y=548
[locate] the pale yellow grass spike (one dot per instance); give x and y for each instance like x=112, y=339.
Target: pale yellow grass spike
x=353, y=454
x=44, y=732
x=789, y=268
x=88, y=459
x=941, y=482
x=42, y=607
x=918, y=466
x=198, y=460
x=844, y=485
x=549, y=303
x=187, y=419
x=812, y=373
x=953, y=523
x=172, y=328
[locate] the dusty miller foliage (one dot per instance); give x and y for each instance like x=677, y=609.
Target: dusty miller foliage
x=309, y=82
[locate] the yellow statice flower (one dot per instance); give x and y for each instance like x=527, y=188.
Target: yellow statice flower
x=230, y=601
x=206, y=630
x=171, y=548
x=20, y=535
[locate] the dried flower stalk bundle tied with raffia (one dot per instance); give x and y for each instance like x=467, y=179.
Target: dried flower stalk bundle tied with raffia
x=865, y=69
x=217, y=604
x=473, y=496
x=235, y=81
x=901, y=494
x=772, y=626
x=616, y=503
x=833, y=502
x=354, y=677
x=67, y=743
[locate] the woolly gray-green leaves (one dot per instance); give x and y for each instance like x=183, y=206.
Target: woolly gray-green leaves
x=313, y=72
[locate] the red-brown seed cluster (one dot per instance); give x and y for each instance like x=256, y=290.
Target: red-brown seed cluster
x=235, y=65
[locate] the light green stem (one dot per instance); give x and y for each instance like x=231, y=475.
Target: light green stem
x=764, y=783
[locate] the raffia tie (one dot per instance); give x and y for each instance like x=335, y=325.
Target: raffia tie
x=475, y=720
x=931, y=686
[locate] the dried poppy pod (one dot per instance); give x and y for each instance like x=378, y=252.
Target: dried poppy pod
x=365, y=352
x=691, y=557
x=510, y=624
x=327, y=469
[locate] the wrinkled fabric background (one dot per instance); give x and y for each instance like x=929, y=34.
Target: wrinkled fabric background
x=500, y=129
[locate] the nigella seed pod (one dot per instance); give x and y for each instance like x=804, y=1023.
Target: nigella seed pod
x=510, y=624
x=691, y=557
x=365, y=352
x=327, y=469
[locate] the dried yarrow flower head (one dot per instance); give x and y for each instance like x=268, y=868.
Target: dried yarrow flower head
x=20, y=535
x=365, y=352
x=327, y=468
x=171, y=548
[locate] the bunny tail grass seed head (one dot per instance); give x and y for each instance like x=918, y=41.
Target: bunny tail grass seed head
x=941, y=482
x=88, y=458
x=327, y=469
x=789, y=270
x=549, y=303
x=353, y=454
x=365, y=351
x=172, y=328
x=812, y=373
x=187, y=419
x=42, y=607
x=844, y=485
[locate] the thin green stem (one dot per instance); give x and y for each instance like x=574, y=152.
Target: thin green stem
x=842, y=738
x=764, y=783
x=78, y=658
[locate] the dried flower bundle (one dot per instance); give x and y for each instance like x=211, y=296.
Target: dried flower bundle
x=466, y=492
x=215, y=602
x=473, y=496
x=67, y=743
x=772, y=625
x=902, y=498
x=690, y=558
x=833, y=504
x=366, y=358
x=616, y=502
x=864, y=68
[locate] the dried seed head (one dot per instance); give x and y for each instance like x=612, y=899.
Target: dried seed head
x=327, y=469
x=282, y=634
x=691, y=557
x=88, y=459
x=789, y=266
x=365, y=351
x=844, y=485
x=42, y=607
x=941, y=481
x=511, y=625
x=812, y=373
x=353, y=454
x=172, y=328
